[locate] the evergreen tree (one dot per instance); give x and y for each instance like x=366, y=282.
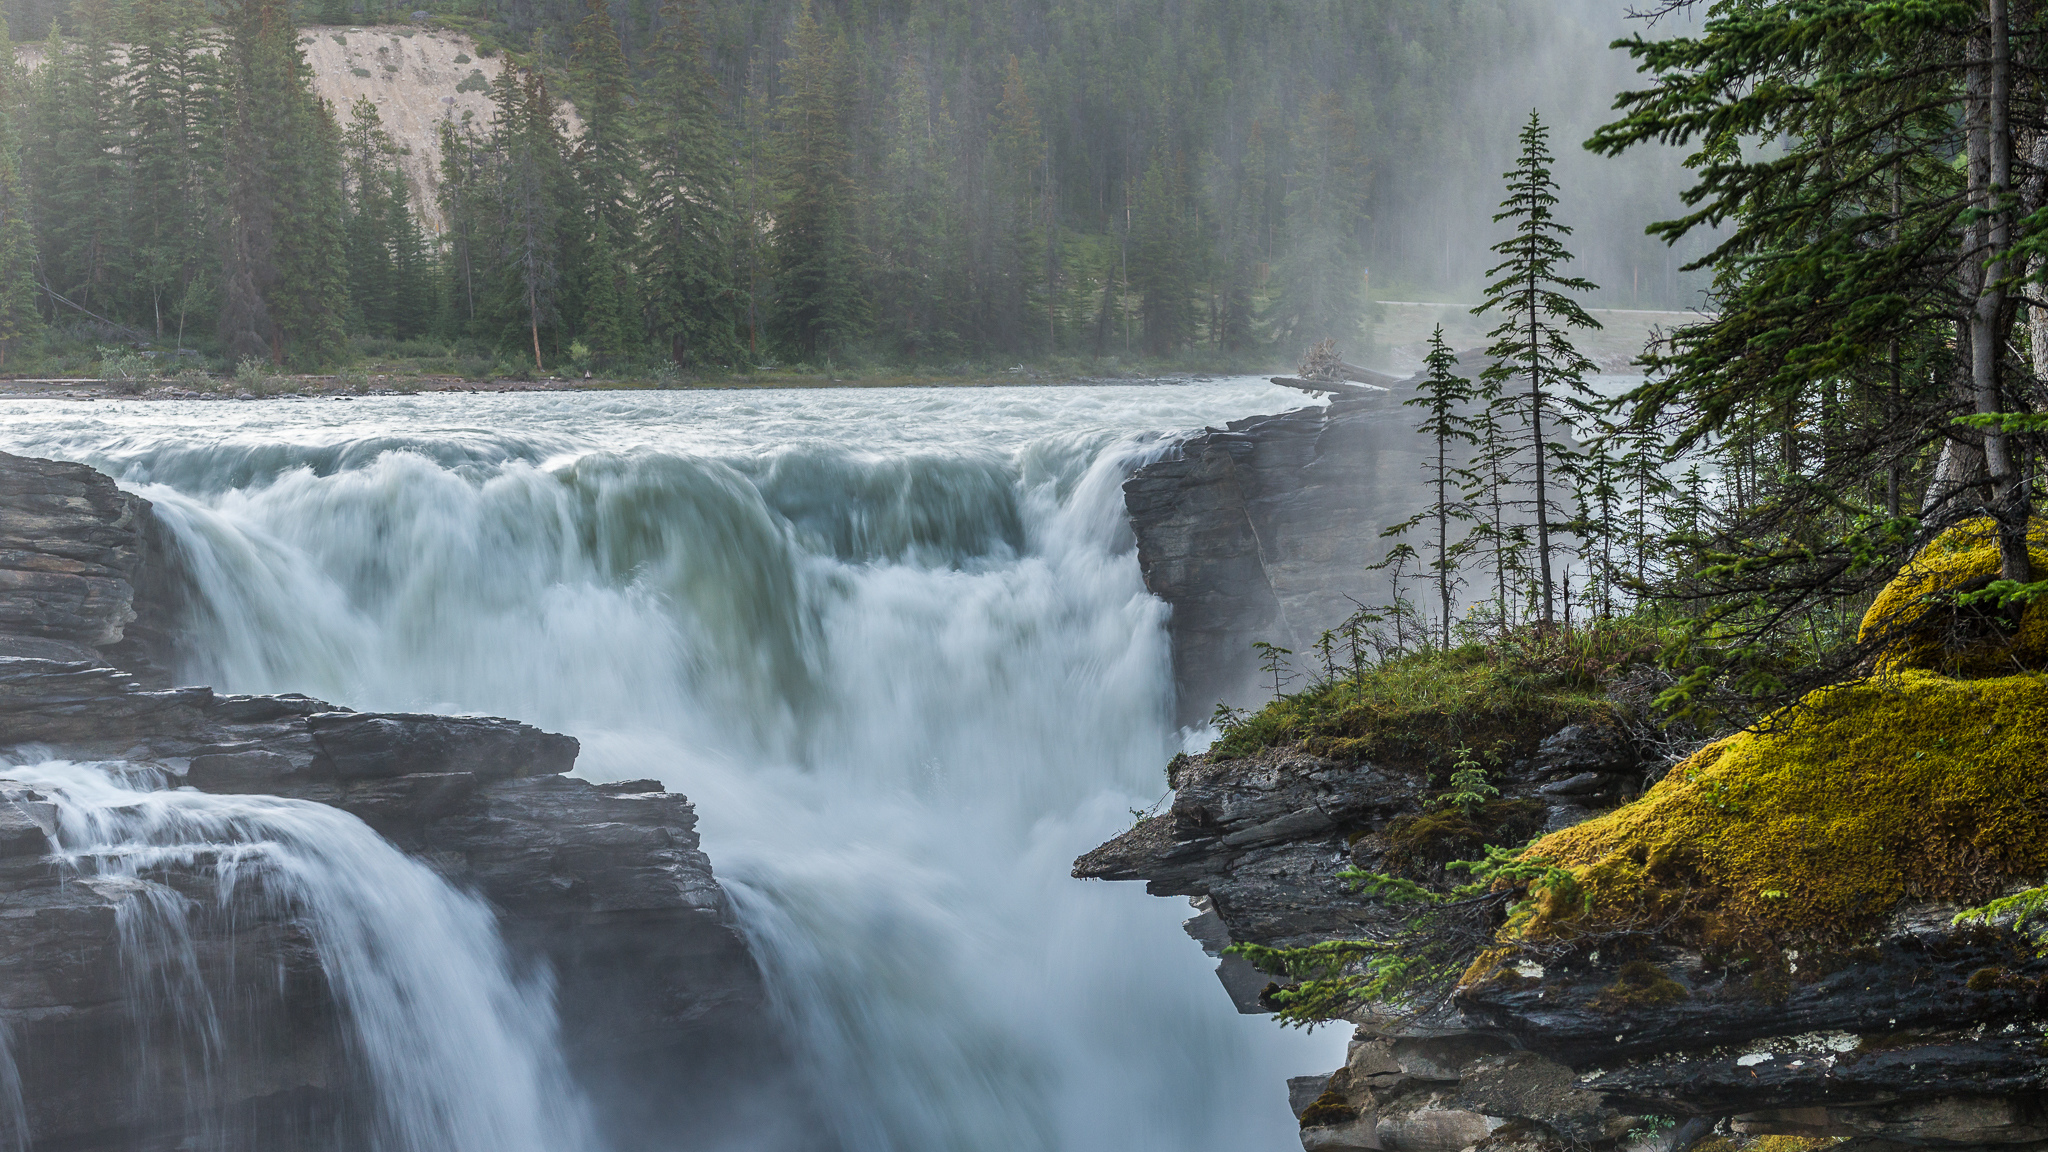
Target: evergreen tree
x=1531, y=349
x=819, y=306
x=372, y=275
x=171, y=218
x=1322, y=273
x=535, y=198
x=1877, y=210
x=19, y=316
x=1162, y=265
x=1443, y=397
x=82, y=170
x=284, y=291
x=690, y=257
x=917, y=248
x=606, y=169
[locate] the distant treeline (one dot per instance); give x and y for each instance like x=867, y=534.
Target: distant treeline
x=914, y=180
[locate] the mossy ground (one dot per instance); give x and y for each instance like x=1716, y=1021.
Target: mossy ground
x=1814, y=826
x=1496, y=699
x=1918, y=621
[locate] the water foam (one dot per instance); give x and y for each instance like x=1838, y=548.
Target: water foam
x=894, y=644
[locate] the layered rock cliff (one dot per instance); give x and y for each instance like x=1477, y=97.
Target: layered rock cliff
x=662, y=1009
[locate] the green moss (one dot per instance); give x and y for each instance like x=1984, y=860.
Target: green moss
x=1921, y=625
x=1329, y=1110
x=1498, y=700
x=1818, y=824
x=1641, y=985
x=1428, y=840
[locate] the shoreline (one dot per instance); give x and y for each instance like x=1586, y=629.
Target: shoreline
x=335, y=387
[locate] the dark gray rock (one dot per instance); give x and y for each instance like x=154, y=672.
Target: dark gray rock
x=1261, y=529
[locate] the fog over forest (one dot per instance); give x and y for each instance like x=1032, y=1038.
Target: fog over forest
x=747, y=181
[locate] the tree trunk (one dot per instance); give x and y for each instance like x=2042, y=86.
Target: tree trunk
x=1991, y=148
x=1536, y=438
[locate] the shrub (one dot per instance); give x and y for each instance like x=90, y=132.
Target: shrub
x=474, y=82
x=462, y=57
x=126, y=370
x=361, y=72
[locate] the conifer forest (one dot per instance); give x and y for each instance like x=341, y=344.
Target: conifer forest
x=711, y=184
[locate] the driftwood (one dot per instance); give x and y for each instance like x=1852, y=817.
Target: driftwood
x=1333, y=388
x=1323, y=364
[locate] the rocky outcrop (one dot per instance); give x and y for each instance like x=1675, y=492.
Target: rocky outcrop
x=662, y=1008
x=1925, y=1035
x=1260, y=530
x=1269, y=529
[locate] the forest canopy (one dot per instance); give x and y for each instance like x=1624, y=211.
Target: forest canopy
x=743, y=181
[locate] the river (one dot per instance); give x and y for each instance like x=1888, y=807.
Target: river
x=893, y=643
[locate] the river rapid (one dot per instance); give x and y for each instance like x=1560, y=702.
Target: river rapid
x=893, y=643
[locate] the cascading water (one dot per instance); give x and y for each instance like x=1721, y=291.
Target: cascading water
x=893, y=643
x=459, y=1053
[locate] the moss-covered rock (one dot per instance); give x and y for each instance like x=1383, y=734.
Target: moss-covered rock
x=1917, y=621
x=1817, y=825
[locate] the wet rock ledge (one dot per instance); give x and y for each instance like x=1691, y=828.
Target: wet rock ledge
x=1922, y=1034
x=662, y=1007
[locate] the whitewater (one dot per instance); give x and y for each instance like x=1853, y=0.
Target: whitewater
x=893, y=643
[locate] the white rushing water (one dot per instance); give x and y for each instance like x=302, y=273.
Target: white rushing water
x=460, y=1053
x=893, y=643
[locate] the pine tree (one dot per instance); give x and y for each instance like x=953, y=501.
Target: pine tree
x=1162, y=265
x=819, y=306
x=1322, y=271
x=171, y=218
x=917, y=246
x=1443, y=396
x=19, y=316
x=690, y=256
x=1531, y=349
x=82, y=170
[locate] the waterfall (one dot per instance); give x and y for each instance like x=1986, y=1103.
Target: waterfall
x=893, y=643
x=459, y=1051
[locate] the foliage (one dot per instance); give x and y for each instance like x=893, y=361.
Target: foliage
x=1423, y=958
x=1493, y=699
x=1532, y=350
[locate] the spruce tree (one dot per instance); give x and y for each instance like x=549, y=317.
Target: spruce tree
x=605, y=167
x=1322, y=270
x=690, y=253
x=82, y=171
x=1532, y=352
x=1162, y=262
x=171, y=217
x=1443, y=396
x=918, y=250
x=535, y=198
x=19, y=316
x=284, y=288
x=819, y=306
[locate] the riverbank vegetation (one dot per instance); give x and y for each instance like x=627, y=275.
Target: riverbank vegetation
x=1834, y=540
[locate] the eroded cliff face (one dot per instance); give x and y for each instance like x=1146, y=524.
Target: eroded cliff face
x=662, y=1009
x=1261, y=530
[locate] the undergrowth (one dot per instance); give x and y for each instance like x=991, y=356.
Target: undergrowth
x=1492, y=699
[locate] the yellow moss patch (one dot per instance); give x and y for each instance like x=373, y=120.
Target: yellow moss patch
x=1814, y=828
x=1923, y=630
x=1790, y=1143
